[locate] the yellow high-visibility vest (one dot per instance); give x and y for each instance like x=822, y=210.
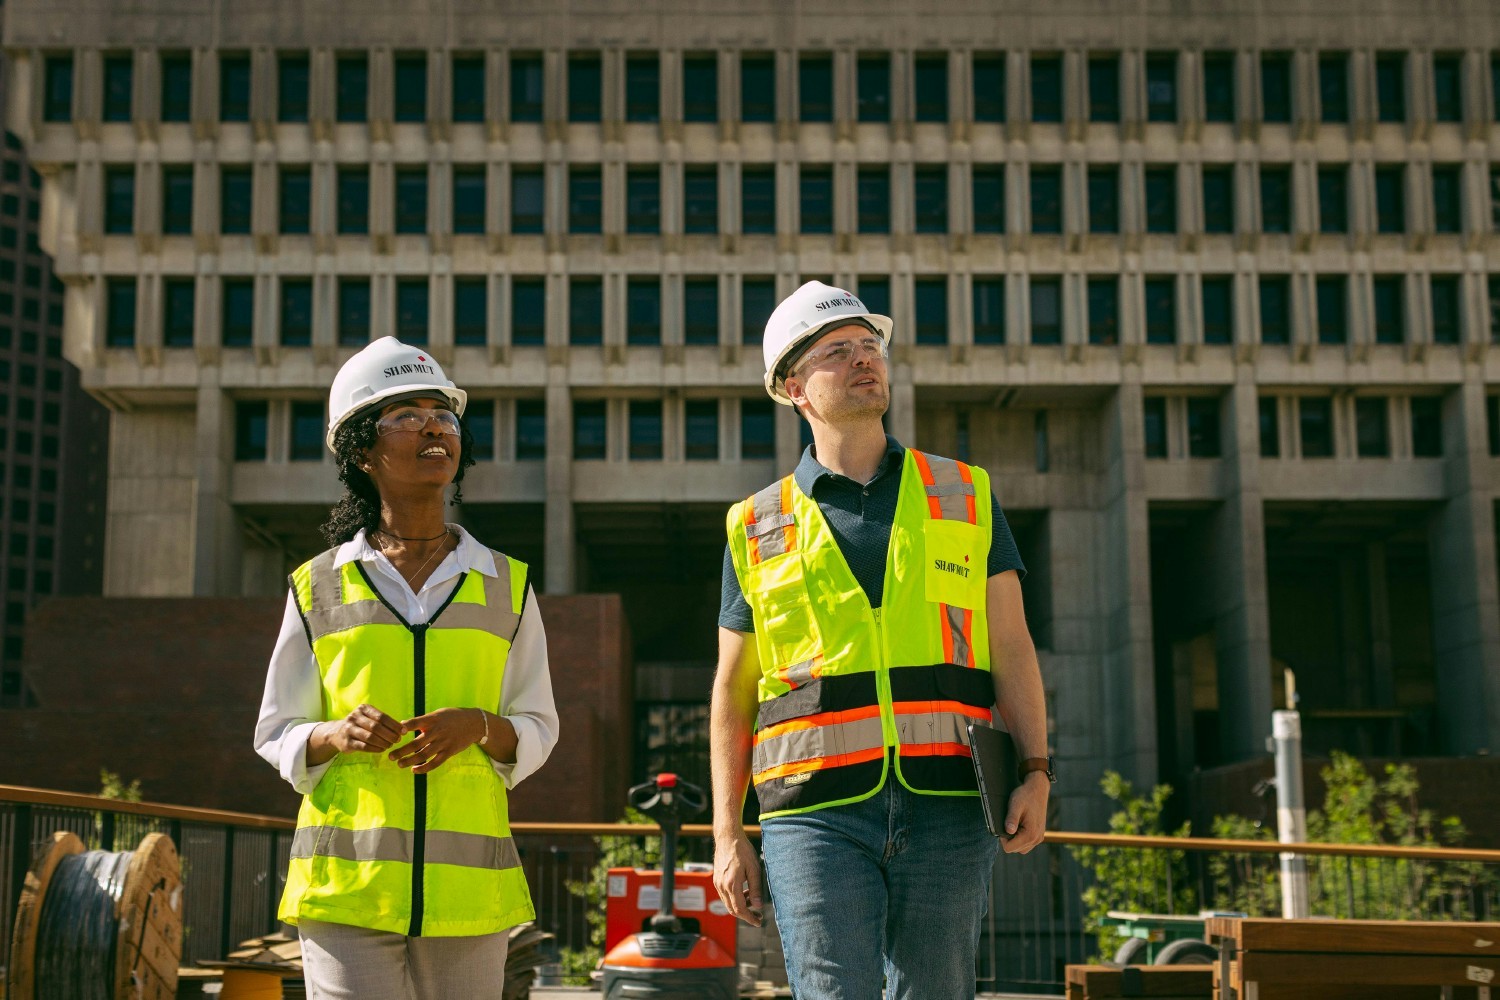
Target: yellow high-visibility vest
x=376, y=845
x=841, y=682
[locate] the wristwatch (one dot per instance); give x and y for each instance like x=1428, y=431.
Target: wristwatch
x=1036, y=764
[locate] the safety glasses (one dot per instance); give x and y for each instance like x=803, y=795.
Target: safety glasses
x=840, y=352
x=416, y=419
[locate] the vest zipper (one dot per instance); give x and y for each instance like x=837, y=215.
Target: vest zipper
x=419, y=791
x=883, y=684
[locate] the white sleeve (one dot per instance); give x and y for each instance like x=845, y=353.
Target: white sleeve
x=526, y=697
x=292, y=704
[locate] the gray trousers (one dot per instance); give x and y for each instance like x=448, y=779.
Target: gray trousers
x=340, y=962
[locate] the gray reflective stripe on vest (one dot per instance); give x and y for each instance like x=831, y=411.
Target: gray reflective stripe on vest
x=773, y=523
x=767, y=507
x=799, y=674
x=933, y=727
x=949, y=488
x=442, y=847
x=329, y=613
x=495, y=615
x=962, y=655
x=819, y=741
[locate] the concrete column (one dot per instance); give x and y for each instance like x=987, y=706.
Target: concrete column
x=901, y=417
x=1465, y=593
x=1382, y=652
x=788, y=439
x=561, y=541
x=216, y=535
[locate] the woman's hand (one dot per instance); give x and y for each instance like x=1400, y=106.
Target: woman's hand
x=439, y=736
x=365, y=730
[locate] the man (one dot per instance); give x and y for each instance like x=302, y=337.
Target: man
x=866, y=599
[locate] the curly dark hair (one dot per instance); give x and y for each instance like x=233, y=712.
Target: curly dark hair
x=359, y=507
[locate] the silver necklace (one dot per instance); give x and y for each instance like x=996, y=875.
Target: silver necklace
x=418, y=572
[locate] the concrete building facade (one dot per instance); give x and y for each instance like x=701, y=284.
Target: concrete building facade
x=1211, y=290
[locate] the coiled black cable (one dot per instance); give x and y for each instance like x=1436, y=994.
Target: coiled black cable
x=77, y=932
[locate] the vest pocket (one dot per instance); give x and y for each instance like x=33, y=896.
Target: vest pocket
x=957, y=561
x=784, y=613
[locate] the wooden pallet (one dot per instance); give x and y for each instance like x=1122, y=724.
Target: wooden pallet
x=1162, y=982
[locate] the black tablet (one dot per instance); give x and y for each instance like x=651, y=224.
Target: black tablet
x=995, y=766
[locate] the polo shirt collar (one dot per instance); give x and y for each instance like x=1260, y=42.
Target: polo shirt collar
x=810, y=471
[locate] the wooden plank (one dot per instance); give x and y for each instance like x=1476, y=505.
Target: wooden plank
x=149, y=943
x=1094, y=982
x=1385, y=937
x=1369, y=970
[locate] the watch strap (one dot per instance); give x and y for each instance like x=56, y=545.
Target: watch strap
x=1030, y=764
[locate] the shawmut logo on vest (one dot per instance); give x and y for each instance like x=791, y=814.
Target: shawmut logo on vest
x=951, y=567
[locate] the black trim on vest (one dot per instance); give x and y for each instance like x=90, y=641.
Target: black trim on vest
x=836, y=693
x=940, y=774
x=525, y=599
x=943, y=682
x=291, y=585
x=823, y=786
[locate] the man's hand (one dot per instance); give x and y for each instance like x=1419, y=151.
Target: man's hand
x=439, y=736
x=1026, y=820
x=737, y=876
x=365, y=730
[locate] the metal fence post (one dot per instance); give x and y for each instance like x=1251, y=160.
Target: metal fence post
x=1291, y=811
x=227, y=891
x=20, y=851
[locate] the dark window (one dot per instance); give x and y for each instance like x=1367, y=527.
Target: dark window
x=931, y=77
x=700, y=311
x=479, y=418
x=1390, y=199
x=296, y=200
x=1492, y=421
x=57, y=89
x=1046, y=310
x=1104, y=88
x=583, y=87
x=645, y=430
x=1203, y=427
x=1104, y=311
x=1046, y=88
x=1161, y=311
x=875, y=293
x=527, y=200
x=119, y=199
x=1333, y=199
x=1046, y=199
x=468, y=199
x=471, y=308
x=816, y=185
x=643, y=200
x=1218, y=309
x=1270, y=427
x=234, y=88
x=1495, y=85
x=1154, y=411
x=296, y=312
x=874, y=196
x=291, y=88
x=468, y=88
x=250, y=417
x=930, y=184
x=758, y=89
x=1494, y=290
x=1315, y=416
x=989, y=310
x=176, y=88
x=1275, y=309
x=1276, y=86
x=643, y=310
x=989, y=199
x=1332, y=294
x=1446, y=309
x=531, y=430
x=1427, y=427
x=1275, y=199
x=700, y=197
x=238, y=308
x=1448, y=87
x=354, y=311
x=1390, y=86
x=177, y=312
x=1104, y=198
x=1390, y=309
x=119, y=329
x=585, y=200
x=352, y=102
x=1218, y=86
x=989, y=87
x=1161, y=199
x=176, y=200
x=1333, y=86
x=815, y=89
x=643, y=88
x=588, y=429
x=526, y=83
x=701, y=430
x=931, y=306
x=1218, y=199
x=874, y=83
x=354, y=200
x=411, y=87
x=700, y=88
x=412, y=296
x=528, y=311
x=585, y=311
x=757, y=429
x=1447, y=198
x=757, y=302
x=1371, y=427
x=1161, y=87
x=758, y=199
x=119, y=81
x=306, y=443
x=411, y=200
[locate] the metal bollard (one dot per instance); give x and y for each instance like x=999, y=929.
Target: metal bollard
x=1291, y=811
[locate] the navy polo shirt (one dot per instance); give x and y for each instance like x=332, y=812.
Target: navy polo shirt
x=860, y=517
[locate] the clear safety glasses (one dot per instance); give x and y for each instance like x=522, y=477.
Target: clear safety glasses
x=840, y=352
x=415, y=419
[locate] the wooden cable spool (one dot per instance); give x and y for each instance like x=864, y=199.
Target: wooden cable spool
x=148, y=920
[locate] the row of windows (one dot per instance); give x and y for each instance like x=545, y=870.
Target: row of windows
x=1312, y=419
x=1160, y=192
x=644, y=425
x=872, y=100
x=701, y=314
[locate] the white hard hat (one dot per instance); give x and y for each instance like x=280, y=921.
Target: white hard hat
x=803, y=316
x=385, y=369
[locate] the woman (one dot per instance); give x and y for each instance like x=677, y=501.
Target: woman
x=407, y=691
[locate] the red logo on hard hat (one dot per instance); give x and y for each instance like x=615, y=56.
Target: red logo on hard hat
x=420, y=358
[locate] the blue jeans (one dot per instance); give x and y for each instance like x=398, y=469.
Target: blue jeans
x=892, y=888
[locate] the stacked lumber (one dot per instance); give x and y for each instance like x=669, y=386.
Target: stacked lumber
x=1160, y=982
